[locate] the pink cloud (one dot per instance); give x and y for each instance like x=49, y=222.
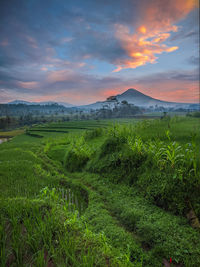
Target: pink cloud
x=44, y=68
x=156, y=21
x=28, y=85
x=60, y=76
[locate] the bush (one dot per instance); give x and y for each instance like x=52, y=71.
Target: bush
x=164, y=172
x=111, y=145
x=117, y=160
x=196, y=114
x=74, y=160
x=90, y=134
x=77, y=155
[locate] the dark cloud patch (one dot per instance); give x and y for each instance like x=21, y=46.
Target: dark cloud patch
x=30, y=27
x=194, y=60
x=99, y=45
x=185, y=76
x=7, y=61
x=175, y=75
x=39, y=38
x=184, y=35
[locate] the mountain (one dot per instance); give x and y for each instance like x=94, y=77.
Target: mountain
x=133, y=96
x=15, y=102
x=67, y=105
x=137, y=98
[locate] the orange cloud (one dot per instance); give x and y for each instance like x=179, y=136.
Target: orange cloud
x=141, y=48
x=142, y=29
x=156, y=21
x=162, y=14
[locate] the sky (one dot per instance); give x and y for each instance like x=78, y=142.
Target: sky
x=82, y=51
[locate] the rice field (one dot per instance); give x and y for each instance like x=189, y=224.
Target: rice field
x=101, y=193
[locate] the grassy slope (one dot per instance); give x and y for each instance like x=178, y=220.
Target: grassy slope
x=51, y=235
x=156, y=232
x=131, y=227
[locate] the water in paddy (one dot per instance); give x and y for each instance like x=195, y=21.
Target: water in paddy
x=75, y=200
x=3, y=140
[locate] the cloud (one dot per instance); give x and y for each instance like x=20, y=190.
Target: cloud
x=177, y=86
x=173, y=75
x=141, y=47
x=76, y=31
x=78, y=87
x=28, y=85
x=159, y=15
x=184, y=35
x=155, y=22
x=137, y=37
x=52, y=54
x=194, y=60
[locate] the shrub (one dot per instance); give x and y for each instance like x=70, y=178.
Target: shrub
x=116, y=159
x=90, y=134
x=77, y=155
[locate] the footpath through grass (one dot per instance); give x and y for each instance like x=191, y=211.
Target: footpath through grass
x=141, y=183
x=37, y=226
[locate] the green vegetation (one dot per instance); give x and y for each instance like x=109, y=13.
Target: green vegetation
x=10, y=134
x=194, y=114
x=139, y=180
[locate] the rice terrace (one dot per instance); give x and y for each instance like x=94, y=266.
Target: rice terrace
x=138, y=182
x=99, y=133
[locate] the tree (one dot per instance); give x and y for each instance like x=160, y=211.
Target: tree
x=124, y=102
x=111, y=98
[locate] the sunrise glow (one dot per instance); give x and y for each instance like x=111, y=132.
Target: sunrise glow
x=80, y=52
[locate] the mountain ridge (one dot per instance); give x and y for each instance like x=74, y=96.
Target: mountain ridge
x=132, y=96
x=16, y=102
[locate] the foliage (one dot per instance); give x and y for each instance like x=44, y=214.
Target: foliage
x=77, y=155
x=148, y=181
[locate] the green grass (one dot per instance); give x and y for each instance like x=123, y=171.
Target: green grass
x=38, y=232
x=37, y=229
x=163, y=234
x=140, y=180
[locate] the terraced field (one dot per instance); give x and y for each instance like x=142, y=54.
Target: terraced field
x=138, y=183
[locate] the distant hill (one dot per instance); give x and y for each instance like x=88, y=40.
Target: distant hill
x=133, y=96
x=15, y=102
